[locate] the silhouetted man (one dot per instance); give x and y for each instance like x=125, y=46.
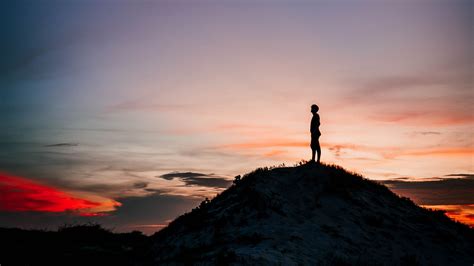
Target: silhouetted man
x=315, y=133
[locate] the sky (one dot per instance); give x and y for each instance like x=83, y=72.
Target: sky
x=130, y=113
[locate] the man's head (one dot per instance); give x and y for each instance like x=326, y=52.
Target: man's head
x=314, y=108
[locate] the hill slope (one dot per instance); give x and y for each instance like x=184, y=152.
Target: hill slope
x=312, y=214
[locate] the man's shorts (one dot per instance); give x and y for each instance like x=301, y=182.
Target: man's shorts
x=314, y=141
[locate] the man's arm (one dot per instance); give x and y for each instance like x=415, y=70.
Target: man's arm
x=314, y=123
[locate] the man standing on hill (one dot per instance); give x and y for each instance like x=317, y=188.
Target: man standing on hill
x=315, y=133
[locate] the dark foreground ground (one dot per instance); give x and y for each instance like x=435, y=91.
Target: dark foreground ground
x=73, y=245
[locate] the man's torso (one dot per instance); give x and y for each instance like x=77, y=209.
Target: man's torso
x=315, y=125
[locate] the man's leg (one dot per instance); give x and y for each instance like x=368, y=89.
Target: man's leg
x=313, y=151
x=318, y=149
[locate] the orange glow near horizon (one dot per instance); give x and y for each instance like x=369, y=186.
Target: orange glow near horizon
x=460, y=151
x=460, y=213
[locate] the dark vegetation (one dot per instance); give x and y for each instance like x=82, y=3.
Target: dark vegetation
x=85, y=244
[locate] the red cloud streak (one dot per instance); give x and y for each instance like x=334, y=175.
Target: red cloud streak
x=20, y=194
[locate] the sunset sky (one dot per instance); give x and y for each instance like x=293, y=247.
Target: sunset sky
x=131, y=112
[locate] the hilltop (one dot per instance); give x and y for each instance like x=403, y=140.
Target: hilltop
x=312, y=215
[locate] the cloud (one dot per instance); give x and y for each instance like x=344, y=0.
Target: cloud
x=407, y=86
x=438, y=99
x=426, y=116
x=145, y=104
x=343, y=149
x=448, y=151
x=440, y=191
x=266, y=144
x=18, y=194
x=140, y=184
x=135, y=213
x=154, y=209
x=452, y=195
x=392, y=152
x=27, y=55
x=383, y=84
x=423, y=133
x=428, y=133
x=274, y=153
x=172, y=175
x=462, y=175
x=66, y=144
x=198, y=179
x=338, y=149
x=23, y=61
x=461, y=213
x=248, y=129
x=208, y=182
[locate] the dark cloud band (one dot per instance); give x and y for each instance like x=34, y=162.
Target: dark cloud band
x=198, y=179
x=443, y=191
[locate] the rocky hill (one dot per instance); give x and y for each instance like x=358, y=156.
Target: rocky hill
x=312, y=215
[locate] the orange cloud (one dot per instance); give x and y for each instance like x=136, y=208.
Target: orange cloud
x=460, y=213
x=273, y=153
x=387, y=152
x=237, y=126
x=19, y=194
x=425, y=118
x=454, y=120
x=299, y=144
x=391, y=152
x=456, y=151
x=266, y=144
